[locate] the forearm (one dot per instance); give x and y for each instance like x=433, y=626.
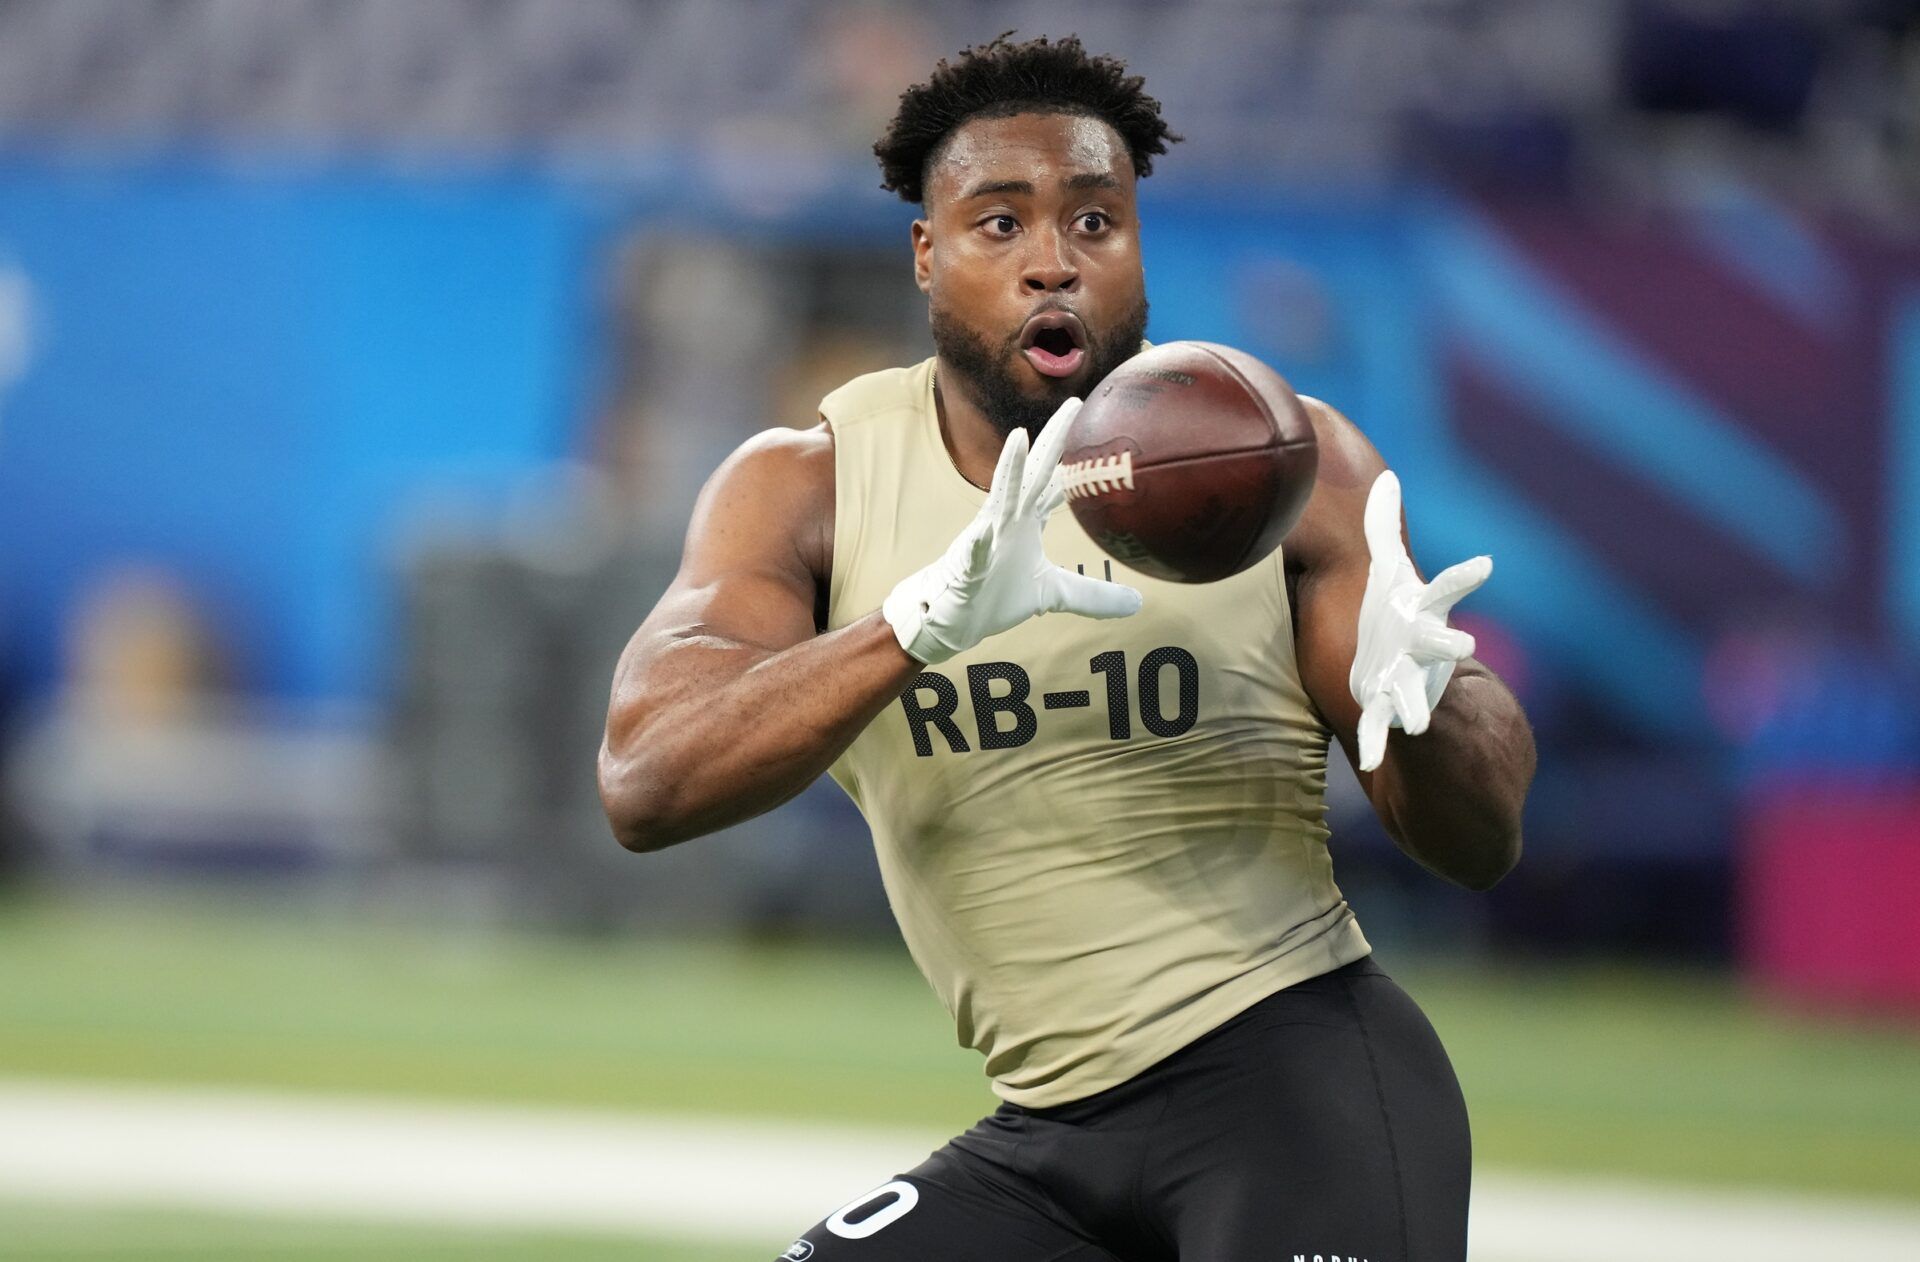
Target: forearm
x=1452, y=796
x=722, y=732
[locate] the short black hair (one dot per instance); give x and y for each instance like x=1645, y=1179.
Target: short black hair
x=1001, y=79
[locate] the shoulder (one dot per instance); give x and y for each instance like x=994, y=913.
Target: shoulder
x=788, y=450
x=1332, y=524
x=1347, y=458
x=780, y=464
x=779, y=482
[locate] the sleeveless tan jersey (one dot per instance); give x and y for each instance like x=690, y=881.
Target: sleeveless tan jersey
x=1101, y=839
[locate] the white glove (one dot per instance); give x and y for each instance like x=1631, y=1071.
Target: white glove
x=1407, y=651
x=995, y=575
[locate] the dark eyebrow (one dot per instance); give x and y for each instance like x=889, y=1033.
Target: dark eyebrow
x=1086, y=179
x=999, y=186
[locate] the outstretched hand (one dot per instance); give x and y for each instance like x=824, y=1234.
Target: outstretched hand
x=1406, y=651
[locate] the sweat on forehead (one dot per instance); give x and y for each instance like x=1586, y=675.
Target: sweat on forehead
x=990, y=145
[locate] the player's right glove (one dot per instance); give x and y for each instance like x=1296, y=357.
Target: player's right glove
x=1406, y=651
x=995, y=575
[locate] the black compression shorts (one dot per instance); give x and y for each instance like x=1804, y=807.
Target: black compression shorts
x=1324, y=1124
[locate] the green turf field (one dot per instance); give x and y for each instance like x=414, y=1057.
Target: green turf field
x=1656, y=1075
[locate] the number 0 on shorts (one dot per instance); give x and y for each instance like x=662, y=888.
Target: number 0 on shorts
x=905, y=1195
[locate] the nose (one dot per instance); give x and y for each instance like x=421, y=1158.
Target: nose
x=1050, y=267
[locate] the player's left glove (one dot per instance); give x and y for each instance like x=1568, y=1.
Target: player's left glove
x=1407, y=652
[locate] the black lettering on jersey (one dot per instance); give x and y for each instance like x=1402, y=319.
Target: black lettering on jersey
x=1187, y=668
x=988, y=708
x=1008, y=719
x=946, y=699
x=1119, y=706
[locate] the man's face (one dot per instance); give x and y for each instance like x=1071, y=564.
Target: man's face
x=1029, y=255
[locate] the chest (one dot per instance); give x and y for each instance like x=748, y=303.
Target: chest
x=1195, y=656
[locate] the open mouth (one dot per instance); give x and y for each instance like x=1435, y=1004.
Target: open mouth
x=1054, y=342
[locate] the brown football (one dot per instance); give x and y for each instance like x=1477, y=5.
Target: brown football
x=1190, y=462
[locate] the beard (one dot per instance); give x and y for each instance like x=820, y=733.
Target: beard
x=1000, y=386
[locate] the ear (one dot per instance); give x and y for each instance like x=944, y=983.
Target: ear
x=922, y=255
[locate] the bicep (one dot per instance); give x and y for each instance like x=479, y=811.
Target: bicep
x=1328, y=553
x=747, y=581
x=1324, y=643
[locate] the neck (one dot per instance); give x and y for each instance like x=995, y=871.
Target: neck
x=973, y=441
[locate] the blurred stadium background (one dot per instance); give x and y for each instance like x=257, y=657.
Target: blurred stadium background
x=359, y=361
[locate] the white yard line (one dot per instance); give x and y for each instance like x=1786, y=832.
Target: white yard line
x=734, y=1180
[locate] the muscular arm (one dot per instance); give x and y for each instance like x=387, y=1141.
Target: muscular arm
x=1450, y=797
x=726, y=703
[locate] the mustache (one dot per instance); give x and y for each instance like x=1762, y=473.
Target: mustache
x=995, y=380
